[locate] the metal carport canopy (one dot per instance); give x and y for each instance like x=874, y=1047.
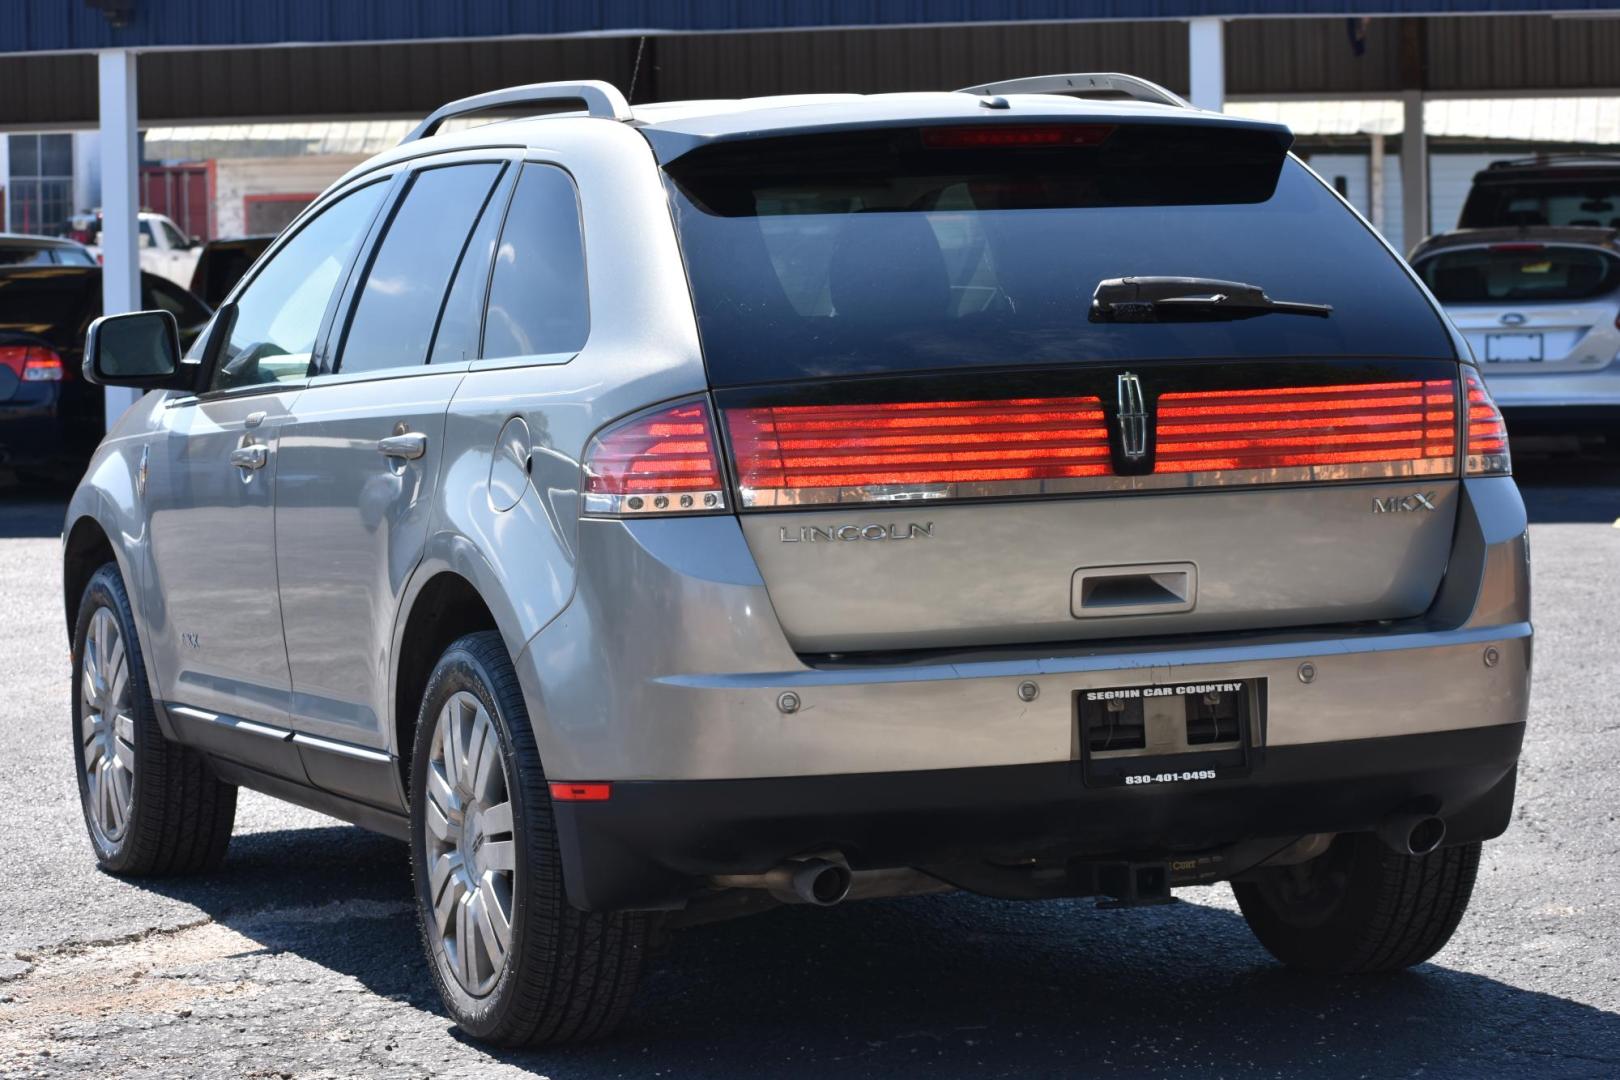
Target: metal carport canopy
x=72, y=63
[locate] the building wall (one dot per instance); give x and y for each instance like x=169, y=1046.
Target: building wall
x=237, y=178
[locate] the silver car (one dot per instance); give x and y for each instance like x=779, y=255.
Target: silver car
x=1540, y=307
x=655, y=514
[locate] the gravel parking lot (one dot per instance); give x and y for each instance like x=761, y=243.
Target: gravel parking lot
x=301, y=959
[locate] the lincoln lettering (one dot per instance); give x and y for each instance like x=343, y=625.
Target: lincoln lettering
x=812, y=534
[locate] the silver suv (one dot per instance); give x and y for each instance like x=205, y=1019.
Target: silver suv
x=655, y=514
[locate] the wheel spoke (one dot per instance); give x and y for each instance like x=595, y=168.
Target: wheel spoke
x=119, y=797
x=477, y=739
x=497, y=924
x=497, y=820
x=489, y=757
x=464, y=943
x=451, y=722
x=123, y=749
x=115, y=670
x=105, y=795
x=499, y=855
x=446, y=889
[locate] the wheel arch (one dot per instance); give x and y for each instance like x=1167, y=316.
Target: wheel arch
x=86, y=547
x=443, y=606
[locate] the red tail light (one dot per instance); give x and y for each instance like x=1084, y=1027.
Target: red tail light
x=1487, y=431
x=1398, y=428
x=32, y=363
x=663, y=461
x=791, y=455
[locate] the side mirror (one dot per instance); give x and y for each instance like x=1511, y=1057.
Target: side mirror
x=139, y=349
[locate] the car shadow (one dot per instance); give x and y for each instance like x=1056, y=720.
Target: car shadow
x=943, y=986
x=32, y=510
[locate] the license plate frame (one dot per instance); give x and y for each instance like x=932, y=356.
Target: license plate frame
x=1517, y=348
x=1167, y=754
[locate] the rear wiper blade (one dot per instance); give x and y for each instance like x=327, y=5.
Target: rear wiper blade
x=1189, y=299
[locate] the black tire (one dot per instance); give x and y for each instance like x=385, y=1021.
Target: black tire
x=568, y=975
x=180, y=815
x=1360, y=907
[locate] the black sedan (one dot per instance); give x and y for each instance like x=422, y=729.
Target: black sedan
x=50, y=418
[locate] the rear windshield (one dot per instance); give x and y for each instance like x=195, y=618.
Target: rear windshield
x=40, y=299
x=1519, y=272
x=1590, y=202
x=809, y=259
x=25, y=256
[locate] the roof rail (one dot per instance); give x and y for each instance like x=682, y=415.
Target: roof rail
x=1553, y=159
x=600, y=99
x=1083, y=84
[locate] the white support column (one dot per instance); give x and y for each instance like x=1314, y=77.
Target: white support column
x=1414, y=173
x=1206, y=63
x=120, y=253
x=1375, y=180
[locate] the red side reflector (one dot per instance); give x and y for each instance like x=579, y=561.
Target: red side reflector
x=32, y=363
x=1285, y=427
x=986, y=136
x=562, y=791
x=787, y=455
x=663, y=461
x=1487, y=431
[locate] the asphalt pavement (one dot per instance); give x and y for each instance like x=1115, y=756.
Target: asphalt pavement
x=300, y=957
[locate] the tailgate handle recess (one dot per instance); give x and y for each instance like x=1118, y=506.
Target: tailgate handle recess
x=1144, y=589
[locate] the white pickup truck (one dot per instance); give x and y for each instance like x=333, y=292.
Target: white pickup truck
x=165, y=249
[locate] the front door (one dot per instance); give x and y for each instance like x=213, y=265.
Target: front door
x=209, y=487
x=221, y=657
x=355, y=489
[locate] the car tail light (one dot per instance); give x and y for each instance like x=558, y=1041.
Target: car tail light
x=1390, y=424
x=899, y=452
x=988, y=136
x=663, y=461
x=33, y=363
x=1487, y=431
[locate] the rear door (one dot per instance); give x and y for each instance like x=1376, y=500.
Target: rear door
x=360, y=457
x=934, y=443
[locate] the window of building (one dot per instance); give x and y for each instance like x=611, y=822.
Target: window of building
x=41, y=196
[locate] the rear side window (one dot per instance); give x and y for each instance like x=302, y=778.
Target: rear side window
x=1519, y=272
x=537, y=298
x=405, y=285
x=462, y=323
x=812, y=257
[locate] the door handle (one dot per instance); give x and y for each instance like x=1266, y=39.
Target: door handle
x=252, y=456
x=409, y=445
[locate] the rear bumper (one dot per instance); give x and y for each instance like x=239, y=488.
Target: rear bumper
x=1555, y=395
x=666, y=675
x=655, y=843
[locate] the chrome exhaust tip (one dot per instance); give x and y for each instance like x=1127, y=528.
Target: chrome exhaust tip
x=1412, y=834
x=820, y=882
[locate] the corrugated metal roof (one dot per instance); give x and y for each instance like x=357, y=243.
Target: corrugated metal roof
x=1265, y=59
x=67, y=25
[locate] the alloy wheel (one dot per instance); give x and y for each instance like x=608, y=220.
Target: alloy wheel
x=107, y=728
x=470, y=843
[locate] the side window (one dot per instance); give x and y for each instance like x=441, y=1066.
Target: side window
x=144, y=238
x=537, y=299
x=157, y=293
x=405, y=285
x=463, y=318
x=279, y=314
x=172, y=236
